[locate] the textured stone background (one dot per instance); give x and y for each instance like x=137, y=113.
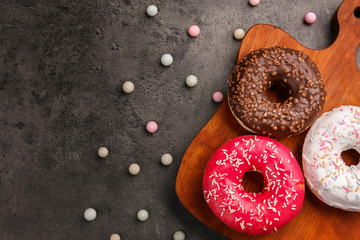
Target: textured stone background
x=62, y=66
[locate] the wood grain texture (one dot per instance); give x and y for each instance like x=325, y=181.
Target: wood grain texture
x=337, y=65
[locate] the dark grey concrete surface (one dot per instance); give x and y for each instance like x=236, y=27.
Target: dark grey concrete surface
x=62, y=66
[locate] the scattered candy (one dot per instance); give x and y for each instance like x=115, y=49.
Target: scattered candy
x=142, y=215
x=128, y=87
x=254, y=2
x=90, y=214
x=103, y=152
x=194, y=31
x=310, y=17
x=115, y=237
x=151, y=127
x=166, y=159
x=179, y=235
x=134, y=169
x=191, y=81
x=218, y=96
x=152, y=10
x=239, y=34
x=166, y=59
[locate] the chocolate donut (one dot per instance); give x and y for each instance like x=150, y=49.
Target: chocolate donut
x=276, y=92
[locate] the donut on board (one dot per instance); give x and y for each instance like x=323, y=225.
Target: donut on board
x=276, y=92
x=327, y=175
x=247, y=212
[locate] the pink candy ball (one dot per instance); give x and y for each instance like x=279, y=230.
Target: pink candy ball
x=310, y=17
x=151, y=127
x=254, y=2
x=218, y=96
x=194, y=31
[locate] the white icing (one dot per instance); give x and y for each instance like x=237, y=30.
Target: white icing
x=334, y=182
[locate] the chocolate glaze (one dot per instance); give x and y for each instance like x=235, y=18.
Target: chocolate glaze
x=287, y=69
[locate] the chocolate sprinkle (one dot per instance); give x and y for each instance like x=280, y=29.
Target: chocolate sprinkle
x=294, y=76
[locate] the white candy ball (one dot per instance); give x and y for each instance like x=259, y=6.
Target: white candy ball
x=90, y=214
x=134, y=168
x=239, y=33
x=103, y=152
x=191, y=81
x=179, y=235
x=128, y=87
x=152, y=10
x=166, y=59
x=166, y=159
x=115, y=237
x=142, y=215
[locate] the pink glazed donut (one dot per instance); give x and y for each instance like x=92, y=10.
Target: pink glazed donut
x=254, y=213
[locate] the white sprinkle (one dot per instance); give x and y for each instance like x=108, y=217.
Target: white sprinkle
x=275, y=229
x=249, y=224
x=276, y=219
x=268, y=168
x=264, y=229
x=242, y=225
x=281, y=160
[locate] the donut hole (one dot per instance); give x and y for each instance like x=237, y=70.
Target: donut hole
x=357, y=12
x=278, y=92
x=253, y=181
x=350, y=157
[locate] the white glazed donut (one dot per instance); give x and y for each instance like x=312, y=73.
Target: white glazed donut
x=333, y=182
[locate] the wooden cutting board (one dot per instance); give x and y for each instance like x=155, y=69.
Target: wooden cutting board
x=337, y=65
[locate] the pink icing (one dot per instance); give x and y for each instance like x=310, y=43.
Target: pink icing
x=254, y=213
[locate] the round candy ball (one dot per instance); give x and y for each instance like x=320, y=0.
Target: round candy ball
x=191, y=81
x=310, y=17
x=194, y=31
x=142, y=215
x=166, y=159
x=254, y=2
x=115, y=237
x=152, y=10
x=166, y=59
x=90, y=214
x=134, y=169
x=151, y=127
x=128, y=87
x=103, y=152
x=179, y=235
x=239, y=34
x=218, y=96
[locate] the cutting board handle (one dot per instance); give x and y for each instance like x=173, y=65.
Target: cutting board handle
x=348, y=17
